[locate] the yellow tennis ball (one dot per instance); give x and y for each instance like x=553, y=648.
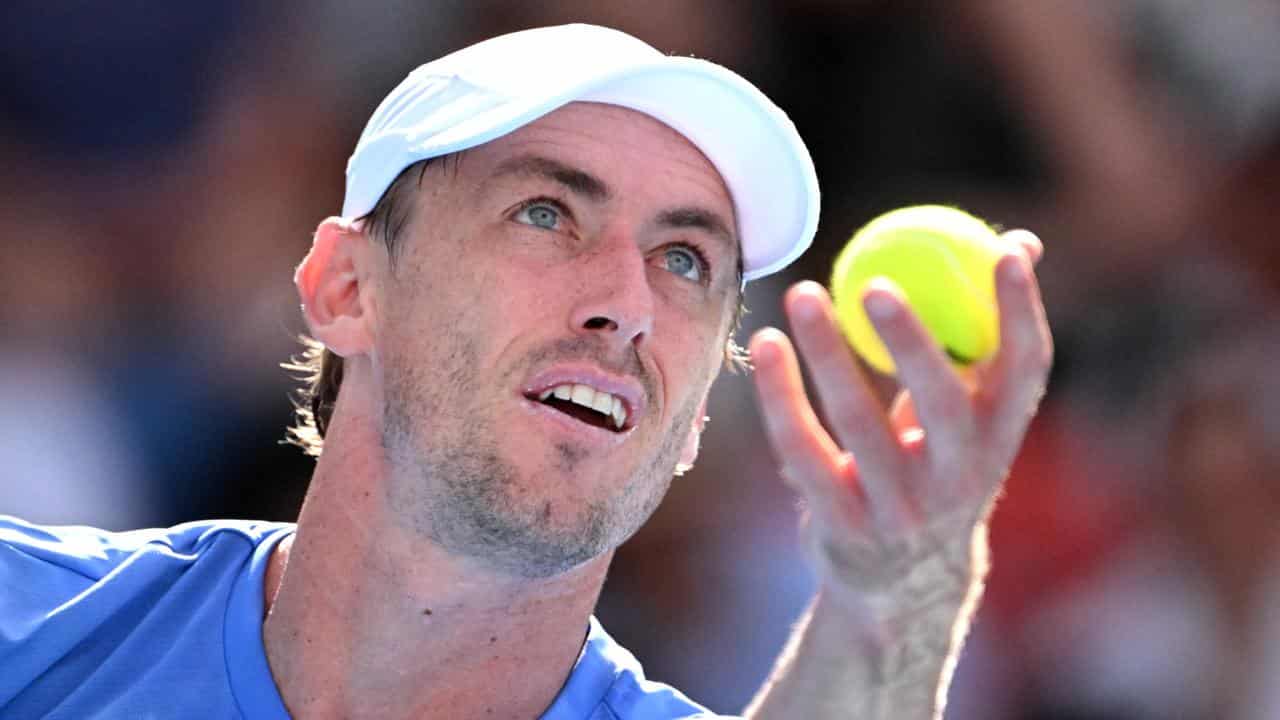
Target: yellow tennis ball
x=944, y=261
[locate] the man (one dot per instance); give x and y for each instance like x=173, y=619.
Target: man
x=522, y=308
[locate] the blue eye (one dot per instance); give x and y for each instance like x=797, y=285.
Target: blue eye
x=540, y=215
x=684, y=262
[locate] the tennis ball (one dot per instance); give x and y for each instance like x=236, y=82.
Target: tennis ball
x=944, y=261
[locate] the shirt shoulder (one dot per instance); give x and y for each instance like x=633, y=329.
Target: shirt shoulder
x=608, y=683
x=43, y=567
x=116, y=620
x=94, y=553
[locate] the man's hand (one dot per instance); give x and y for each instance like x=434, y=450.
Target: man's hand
x=896, y=501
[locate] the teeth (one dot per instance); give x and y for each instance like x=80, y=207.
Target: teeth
x=583, y=395
x=602, y=402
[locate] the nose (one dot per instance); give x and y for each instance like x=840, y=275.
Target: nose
x=616, y=301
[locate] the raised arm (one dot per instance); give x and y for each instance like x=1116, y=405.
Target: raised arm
x=896, y=501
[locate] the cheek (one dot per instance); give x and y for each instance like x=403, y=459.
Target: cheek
x=711, y=327
x=698, y=349
x=428, y=315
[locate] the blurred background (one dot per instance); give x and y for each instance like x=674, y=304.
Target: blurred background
x=162, y=166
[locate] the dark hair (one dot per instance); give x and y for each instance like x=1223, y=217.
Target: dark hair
x=321, y=369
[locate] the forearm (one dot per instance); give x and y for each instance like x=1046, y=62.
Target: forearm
x=890, y=657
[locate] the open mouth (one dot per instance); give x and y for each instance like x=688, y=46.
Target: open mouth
x=586, y=404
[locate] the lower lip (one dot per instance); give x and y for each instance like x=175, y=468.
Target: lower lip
x=567, y=423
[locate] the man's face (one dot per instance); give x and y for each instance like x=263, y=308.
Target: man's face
x=591, y=253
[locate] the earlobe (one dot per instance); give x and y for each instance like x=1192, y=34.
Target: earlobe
x=329, y=283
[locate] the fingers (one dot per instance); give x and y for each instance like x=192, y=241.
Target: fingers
x=852, y=409
x=942, y=401
x=1019, y=371
x=967, y=431
x=902, y=416
x=811, y=460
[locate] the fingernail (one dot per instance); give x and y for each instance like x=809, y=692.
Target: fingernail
x=880, y=306
x=1027, y=242
x=807, y=309
x=764, y=344
x=763, y=353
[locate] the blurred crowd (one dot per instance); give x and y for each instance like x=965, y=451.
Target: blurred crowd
x=162, y=166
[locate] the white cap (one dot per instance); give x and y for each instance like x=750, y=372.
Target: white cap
x=487, y=90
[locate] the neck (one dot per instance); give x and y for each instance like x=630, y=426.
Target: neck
x=370, y=619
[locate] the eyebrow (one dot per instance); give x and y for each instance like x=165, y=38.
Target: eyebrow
x=573, y=179
x=699, y=219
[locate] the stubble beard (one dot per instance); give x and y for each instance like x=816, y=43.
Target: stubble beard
x=451, y=484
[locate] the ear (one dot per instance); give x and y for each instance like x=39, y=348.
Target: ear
x=691, y=443
x=333, y=284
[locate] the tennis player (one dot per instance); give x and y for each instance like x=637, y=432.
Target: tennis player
x=517, y=316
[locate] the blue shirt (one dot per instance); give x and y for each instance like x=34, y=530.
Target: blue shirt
x=167, y=623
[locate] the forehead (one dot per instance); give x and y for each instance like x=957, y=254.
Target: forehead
x=623, y=147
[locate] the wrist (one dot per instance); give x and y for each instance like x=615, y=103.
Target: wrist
x=920, y=616
x=920, y=574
